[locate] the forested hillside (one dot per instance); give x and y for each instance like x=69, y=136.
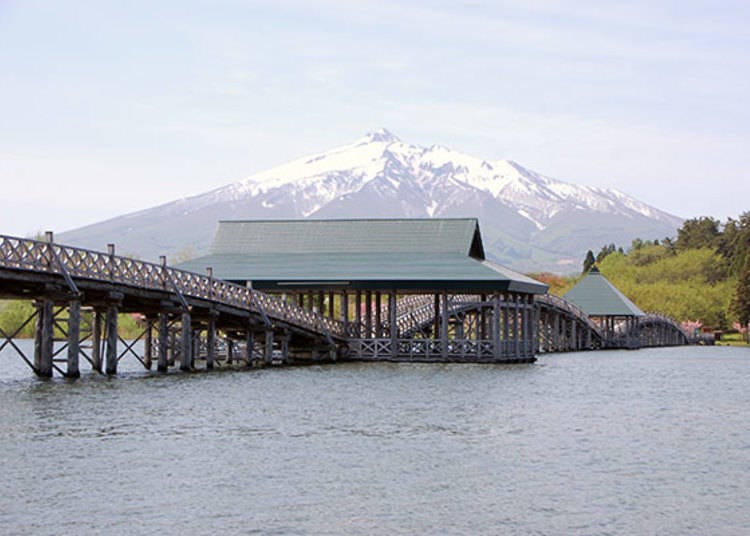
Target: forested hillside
x=702, y=274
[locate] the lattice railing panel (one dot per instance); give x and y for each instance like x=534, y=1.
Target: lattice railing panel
x=34, y=255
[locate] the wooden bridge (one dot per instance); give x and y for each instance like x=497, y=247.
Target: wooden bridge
x=80, y=293
x=189, y=318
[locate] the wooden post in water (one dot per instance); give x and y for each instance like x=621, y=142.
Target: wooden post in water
x=186, y=343
x=74, y=338
x=368, y=314
x=211, y=340
x=96, y=341
x=230, y=349
x=268, y=347
x=392, y=323
x=285, y=336
x=496, y=314
x=113, y=309
x=44, y=338
x=358, y=312
x=444, y=325
x=516, y=331
x=162, y=363
x=148, y=343
x=249, y=347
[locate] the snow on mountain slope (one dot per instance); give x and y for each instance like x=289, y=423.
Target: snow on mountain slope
x=317, y=180
x=530, y=221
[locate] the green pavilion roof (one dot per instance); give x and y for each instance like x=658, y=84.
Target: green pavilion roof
x=406, y=254
x=596, y=296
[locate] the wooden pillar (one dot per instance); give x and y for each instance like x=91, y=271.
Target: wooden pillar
x=506, y=322
x=574, y=335
x=96, y=340
x=211, y=340
x=249, y=347
x=516, y=333
x=162, y=362
x=436, y=323
x=186, y=345
x=113, y=309
x=378, y=319
x=444, y=325
x=230, y=349
x=285, y=347
x=44, y=338
x=268, y=347
x=496, y=346
x=368, y=314
x=331, y=305
x=392, y=323
x=321, y=303
x=74, y=338
x=535, y=325
x=148, y=343
x=358, y=313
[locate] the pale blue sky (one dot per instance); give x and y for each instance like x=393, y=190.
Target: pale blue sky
x=109, y=107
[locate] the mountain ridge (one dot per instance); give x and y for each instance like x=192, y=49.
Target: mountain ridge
x=379, y=175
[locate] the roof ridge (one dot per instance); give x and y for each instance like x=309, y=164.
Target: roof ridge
x=280, y=220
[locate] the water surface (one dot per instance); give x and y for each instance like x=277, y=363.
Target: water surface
x=646, y=442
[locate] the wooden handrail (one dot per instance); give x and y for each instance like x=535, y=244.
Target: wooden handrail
x=33, y=255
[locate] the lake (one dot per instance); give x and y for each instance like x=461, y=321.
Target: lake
x=623, y=442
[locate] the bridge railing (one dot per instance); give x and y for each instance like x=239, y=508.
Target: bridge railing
x=652, y=317
x=72, y=262
x=562, y=304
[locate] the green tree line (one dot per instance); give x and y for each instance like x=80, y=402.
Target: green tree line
x=702, y=274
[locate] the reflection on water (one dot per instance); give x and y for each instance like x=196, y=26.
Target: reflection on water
x=647, y=442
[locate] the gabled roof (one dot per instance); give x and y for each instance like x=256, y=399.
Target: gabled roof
x=596, y=296
x=402, y=254
x=459, y=236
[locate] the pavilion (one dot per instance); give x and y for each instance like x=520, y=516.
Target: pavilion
x=616, y=316
x=407, y=289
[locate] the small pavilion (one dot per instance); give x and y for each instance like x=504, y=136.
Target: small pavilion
x=407, y=289
x=616, y=316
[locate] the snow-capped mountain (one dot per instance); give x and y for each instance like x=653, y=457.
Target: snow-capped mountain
x=529, y=221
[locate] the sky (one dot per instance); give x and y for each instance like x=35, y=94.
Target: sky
x=111, y=107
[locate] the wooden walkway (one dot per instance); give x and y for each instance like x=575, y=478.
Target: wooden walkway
x=195, y=320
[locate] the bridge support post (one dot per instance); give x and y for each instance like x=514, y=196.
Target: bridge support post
x=162, y=363
x=358, y=313
x=43, y=338
x=444, y=325
x=496, y=321
x=74, y=338
x=285, y=336
x=516, y=331
x=268, y=347
x=96, y=341
x=211, y=340
x=148, y=343
x=230, y=349
x=392, y=322
x=250, y=348
x=345, y=310
x=186, y=343
x=113, y=309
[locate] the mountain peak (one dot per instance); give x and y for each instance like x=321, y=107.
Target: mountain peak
x=382, y=135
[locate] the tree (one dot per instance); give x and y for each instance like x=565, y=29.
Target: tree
x=741, y=301
x=588, y=262
x=606, y=250
x=696, y=233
